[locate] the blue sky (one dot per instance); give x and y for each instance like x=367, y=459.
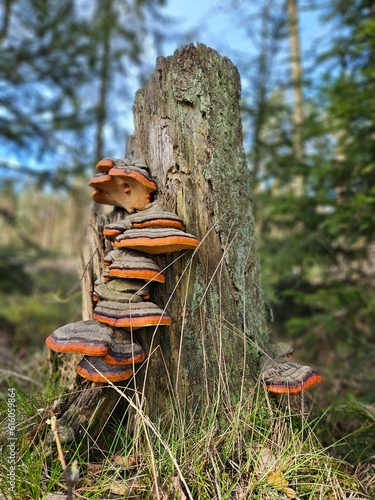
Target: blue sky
x=221, y=30
x=214, y=23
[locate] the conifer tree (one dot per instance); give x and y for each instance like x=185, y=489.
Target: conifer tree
x=61, y=66
x=317, y=249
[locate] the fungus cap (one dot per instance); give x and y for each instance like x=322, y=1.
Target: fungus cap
x=85, y=337
x=131, y=286
x=130, y=316
x=136, y=265
x=289, y=378
x=113, y=229
x=156, y=240
x=122, y=294
x=97, y=370
x=280, y=350
x=112, y=256
x=105, y=165
x=123, y=350
x=136, y=170
x=155, y=216
x=99, y=179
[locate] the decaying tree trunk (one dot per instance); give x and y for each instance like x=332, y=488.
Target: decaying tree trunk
x=188, y=130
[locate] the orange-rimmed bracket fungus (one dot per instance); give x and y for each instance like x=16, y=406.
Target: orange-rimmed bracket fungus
x=83, y=337
x=123, y=350
x=132, y=264
x=156, y=240
x=121, y=294
x=123, y=183
x=283, y=377
x=97, y=370
x=131, y=316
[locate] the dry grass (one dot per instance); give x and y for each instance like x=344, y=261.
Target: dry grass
x=255, y=449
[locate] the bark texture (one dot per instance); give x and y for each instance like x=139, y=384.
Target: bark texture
x=188, y=130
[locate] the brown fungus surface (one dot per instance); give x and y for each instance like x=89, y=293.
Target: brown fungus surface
x=156, y=240
x=289, y=378
x=132, y=286
x=97, y=370
x=134, y=265
x=85, y=337
x=123, y=350
x=130, y=316
x=102, y=292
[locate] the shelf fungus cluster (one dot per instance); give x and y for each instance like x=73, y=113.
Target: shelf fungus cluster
x=121, y=295
x=282, y=376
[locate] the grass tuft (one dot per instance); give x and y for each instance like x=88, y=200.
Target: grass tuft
x=255, y=449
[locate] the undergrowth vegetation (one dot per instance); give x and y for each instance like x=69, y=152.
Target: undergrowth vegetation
x=257, y=448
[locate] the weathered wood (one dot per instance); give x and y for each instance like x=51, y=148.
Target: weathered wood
x=188, y=130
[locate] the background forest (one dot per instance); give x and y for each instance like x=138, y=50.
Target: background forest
x=68, y=73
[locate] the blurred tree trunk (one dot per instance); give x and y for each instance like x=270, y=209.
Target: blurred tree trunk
x=261, y=89
x=296, y=71
x=105, y=13
x=271, y=27
x=5, y=19
x=188, y=130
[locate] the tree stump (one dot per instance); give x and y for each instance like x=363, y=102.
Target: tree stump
x=188, y=130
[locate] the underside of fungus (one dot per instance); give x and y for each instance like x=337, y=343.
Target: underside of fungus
x=123, y=183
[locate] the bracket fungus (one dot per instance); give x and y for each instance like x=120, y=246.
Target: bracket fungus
x=153, y=216
x=97, y=370
x=156, y=240
x=133, y=264
x=121, y=294
x=130, y=315
x=129, y=186
x=123, y=351
x=83, y=337
x=281, y=377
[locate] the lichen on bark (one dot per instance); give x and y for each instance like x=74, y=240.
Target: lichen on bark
x=188, y=129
